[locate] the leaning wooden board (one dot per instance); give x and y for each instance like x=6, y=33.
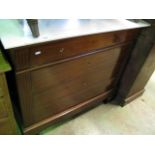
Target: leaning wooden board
x=8, y=125
x=141, y=64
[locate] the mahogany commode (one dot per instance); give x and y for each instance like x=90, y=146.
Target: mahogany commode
x=60, y=78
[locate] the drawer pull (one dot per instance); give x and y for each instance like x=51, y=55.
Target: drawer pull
x=61, y=50
x=37, y=53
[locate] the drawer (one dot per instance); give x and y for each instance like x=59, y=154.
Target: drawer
x=71, y=47
x=104, y=64
x=59, y=87
x=35, y=55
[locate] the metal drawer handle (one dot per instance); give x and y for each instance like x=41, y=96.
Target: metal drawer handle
x=37, y=53
x=61, y=50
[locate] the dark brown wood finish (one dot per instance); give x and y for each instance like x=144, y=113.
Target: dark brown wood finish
x=20, y=58
x=72, y=47
x=56, y=84
x=139, y=68
x=66, y=84
x=68, y=88
x=69, y=113
x=144, y=74
x=24, y=86
x=24, y=58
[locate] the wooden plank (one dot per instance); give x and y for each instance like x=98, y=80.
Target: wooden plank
x=141, y=57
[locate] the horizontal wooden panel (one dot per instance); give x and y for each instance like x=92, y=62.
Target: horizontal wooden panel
x=103, y=65
x=24, y=58
x=68, y=113
x=59, y=87
x=60, y=98
x=71, y=47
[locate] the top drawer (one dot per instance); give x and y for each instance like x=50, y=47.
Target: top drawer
x=72, y=47
x=48, y=52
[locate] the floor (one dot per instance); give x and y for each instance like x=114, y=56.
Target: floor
x=138, y=117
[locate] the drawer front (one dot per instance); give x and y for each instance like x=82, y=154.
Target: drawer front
x=36, y=55
x=56, y=88
x=73, y=47
x=103, y=63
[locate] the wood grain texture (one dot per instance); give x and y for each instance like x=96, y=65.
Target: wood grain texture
x=7, y=120
x=144, y=74
x=70, y=112
x=59, y=84
x=140, y=66
x=53, y=89
x=19, y=58
x=5, y=127
x=25, y=95
x=24, y=58
x=86, y=67
x=92, y=52
x=72, y=47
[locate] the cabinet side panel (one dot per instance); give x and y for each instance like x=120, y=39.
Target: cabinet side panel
x=25, y=96
x=144, y=74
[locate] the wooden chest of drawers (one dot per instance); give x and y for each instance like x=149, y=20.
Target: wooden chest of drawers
x=59, y=79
